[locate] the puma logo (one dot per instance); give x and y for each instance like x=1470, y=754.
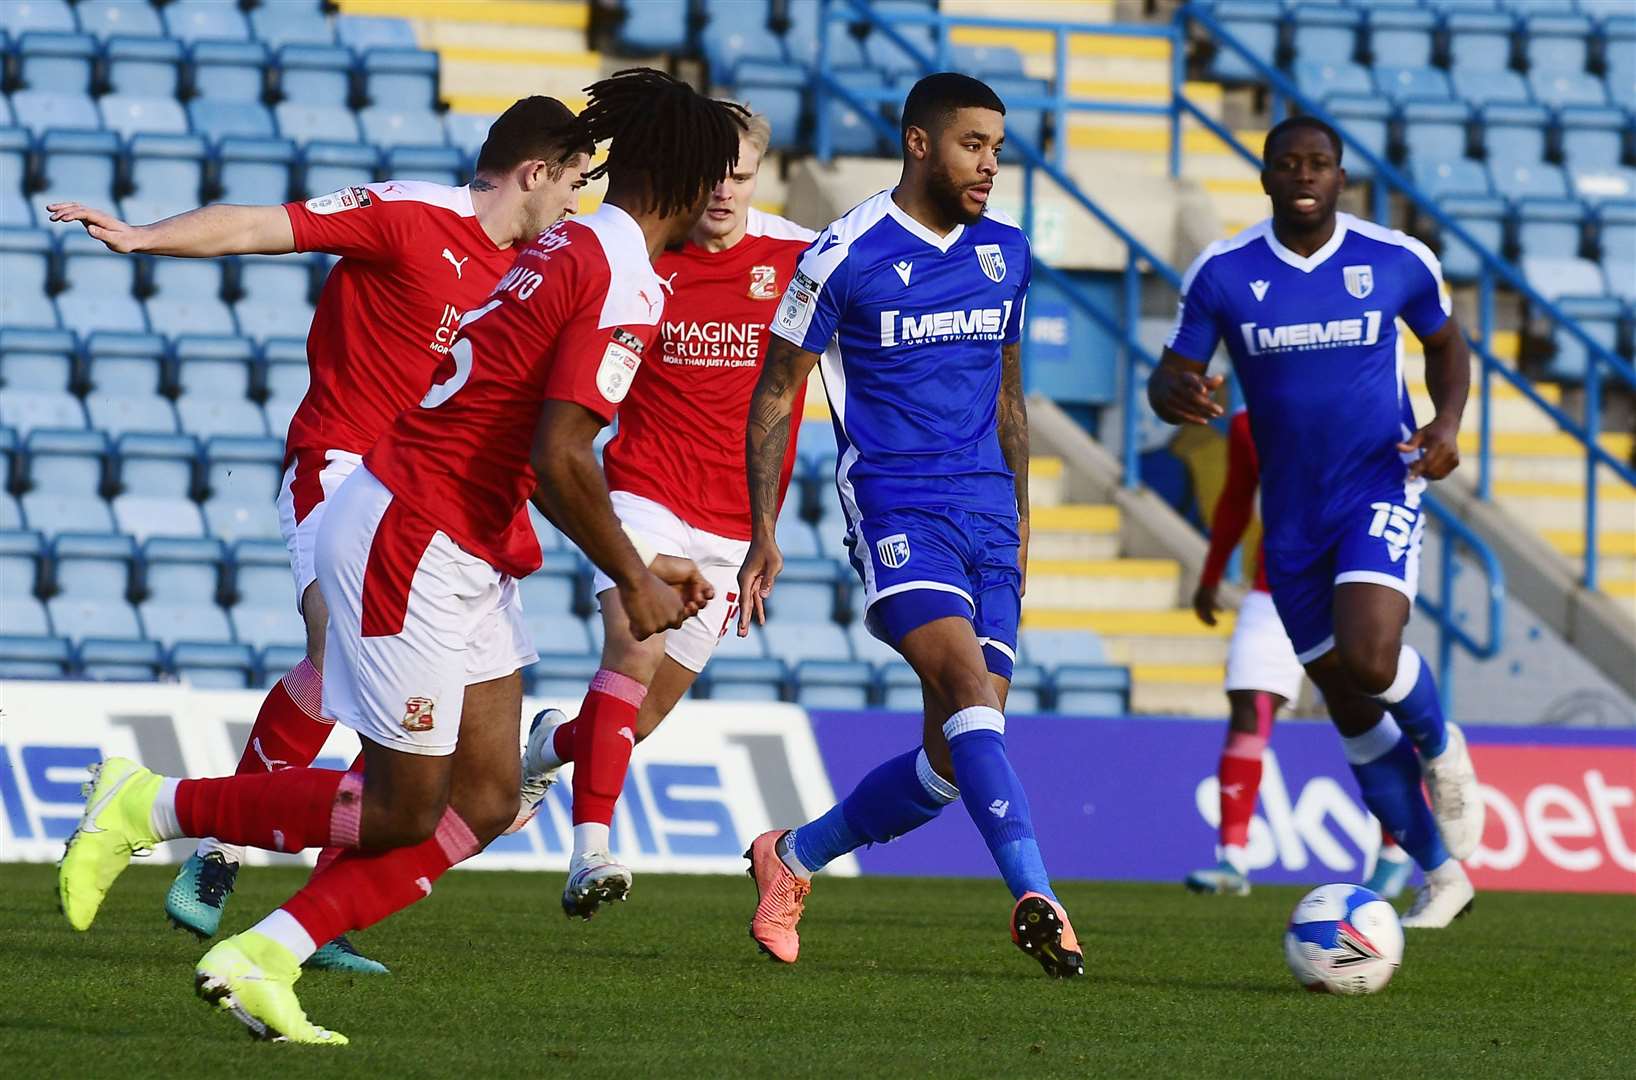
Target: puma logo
x=669, y=283
x=458, y=264
x=272, y=764
x=1232, y=791
x=628, y=735
x=652, y=304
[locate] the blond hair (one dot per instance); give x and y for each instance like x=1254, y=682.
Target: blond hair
x=757, y=128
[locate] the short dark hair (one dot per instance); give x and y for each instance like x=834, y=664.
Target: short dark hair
x=1298, y=123
x=934, y=98
x=533, y=129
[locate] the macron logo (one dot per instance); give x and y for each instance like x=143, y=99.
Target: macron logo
x=1334, y=334
x=1260, y=289
x=903, y=269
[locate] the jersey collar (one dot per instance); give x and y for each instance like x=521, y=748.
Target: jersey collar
x=919, y=231
x=1308, y=263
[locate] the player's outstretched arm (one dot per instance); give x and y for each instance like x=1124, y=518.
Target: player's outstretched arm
x=1180, y=392
x=766, y=441
x=574, y=495
x=1234, y=509
x=1448, y=379
x=1012, y=411
x=219, y=229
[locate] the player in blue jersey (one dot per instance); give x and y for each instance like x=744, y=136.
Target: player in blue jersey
x=1307, y=303
x=915, y=299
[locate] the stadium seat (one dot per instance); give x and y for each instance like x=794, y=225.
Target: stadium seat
x=66, y=471
x=329, y=167
x=985, y=61
x=165, y=175
x=19, y=16
x=275, y=661
x=1486, y=88
x=851, y=132
x=242, y=477
x=157, y=476
x=1030, y=690
x=1559, y=89
x=1479, y=40
x=1550, y=277
x=179, y=574
x=1551, y=228
x=1449, y=179
x=275, y=295
x=794, y=641
x=885, y=55
x=264, y=609
x=1599, y=317
x=1053, y=648
x=316, y=75
x=1092, y=690
x=553, y=589
x=92, y=577
x=866, y=646
x=1484, y=218
x=467, y=131
x=386, y=126
x=833, y=684
x=226, y=71
x=213, y=665
x=1592, y=136
x=77, y=166
x=1514, y=135
x=1537, y=180
x=41, y=110
x=1253, y=22
x=1558, y=41
x=134, y=115
x=205, y=20
x=14, y=209
x=737, y=678
x=1319, y=79
x=110, y=18
x=100, y=292
x=31, y=653
x=119, y=660
x=34, y=410
x=316, y=123
x=217, y=119
x=56, y=62
x=21, y=555
x=1401, y=34
x=35, y=361
x=900, y=687
x=561, y=676
x=188, y=296
x=291, y=23
x=1327, y=34
x=1599, y=185
x=655, y=26
x=437, y=164
x=1616, y=233
x=403, y=79
x=186, y=620
x=806, y=590
x=125, y=374
x=360, y=32
x=1020, y=120
x=1435, y=131
x=255, y=171
x=563, y=633
x=1403, y=85
x=737, y=43
x=284, y=379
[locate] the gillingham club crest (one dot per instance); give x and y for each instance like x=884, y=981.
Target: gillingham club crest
x=990, y=258
x=893, y=551
x=1360, y=280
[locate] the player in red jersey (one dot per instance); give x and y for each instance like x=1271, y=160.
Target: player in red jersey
x=1263, y=675
x=676, y=470
x=415, y=256
x=417, y=559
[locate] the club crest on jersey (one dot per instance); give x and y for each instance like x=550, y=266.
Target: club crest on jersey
x=1360, y=280
x=417, y=714
x=893, y=550
x=348, y=198
x=617, y=371
x=763, y=283
x=992, y=260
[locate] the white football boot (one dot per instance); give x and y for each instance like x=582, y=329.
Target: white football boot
x=538, y=776
x=594, y=879
x=1446, y=896
x=1456, y=803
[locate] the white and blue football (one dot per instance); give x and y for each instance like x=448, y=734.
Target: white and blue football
x=1343, y=939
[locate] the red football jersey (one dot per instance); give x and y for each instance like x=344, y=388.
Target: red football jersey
x=413, y=260
x=1236, y=505
x=573, y=320
x=681, y=431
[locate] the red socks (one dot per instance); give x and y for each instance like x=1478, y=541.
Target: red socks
x=290, y=728
x=287, y=810
x=359, y=889
x=562, y=740
x=604, y=735
x=1239, y=775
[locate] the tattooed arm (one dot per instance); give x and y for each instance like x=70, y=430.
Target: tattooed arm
x=766, y=441
x=1013, y=428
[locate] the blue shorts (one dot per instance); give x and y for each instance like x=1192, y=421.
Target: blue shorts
x=1377, y=542
x=921, y=565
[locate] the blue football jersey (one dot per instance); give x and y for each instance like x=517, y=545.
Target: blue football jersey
x=1314, y=342
x=910, y=326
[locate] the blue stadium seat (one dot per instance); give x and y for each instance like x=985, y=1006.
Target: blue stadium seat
x=655, y=26
x=126, y=376
x=865, y=646
x=1617, y=240
x=783, y=107
x=360, y=32
x=21, y=555
x=255, y=171
x=1559, y=88
x=737, y=678
x=56, y=62
x=899, y=687
x=132, y=19
x=1053, y=648
x=1538, y=180
x=1598, y=316
x=213, y=665
x=32, y=653
x=11, y=511
x=24, y=15
x=1480, y=41
x=1484, y=218
x=77, y=166
x=242, y=477
x=179, y=575
x=119, y=660
x=217, y=119
x=1592, y=137
x=264, y=612
x=185, y=620
x=1030, y=690
x=134, y=115
x=1514, y=135
x=391, y=127
x=985, y=61
x=850, y=132
x=14, y=209
x=1020, y=121
x=1551, y=277
x=736, y=43
x=1558, y=41
x=1484, y=88
x=205, y=20
x=1435, y=131
x=166, y=176
x=92, y=575
x=25, y=409
x=1620, y=55
x=284, y=379
x=40, y=110
x=329, y=167
x=1403, y=84
x=66, y=470
x=550, y=539
x=561, y=676
x=144, y=67
x=1327, y=34
x=157, y=476
x=275, y=661
x=1550, y=228
x=795, y=640
x=319, y=75
x=1597, y=185
x=38, y=361
x=467, y=131
x=100, y=291
x=1253, y=22
x=230, y=71
x=888, y=56
x=833, y=684
x=1448, y=179
x=217, y=368
x=400, y=78
x=1402, y=34
x=562, y=633
x=291, y=23
x=437, y=164
x=1318, y=79
x=316, y=123
x=187, y=295
x=1092, y=690
x=553, y=589
x=276, y=295
x=806, y=591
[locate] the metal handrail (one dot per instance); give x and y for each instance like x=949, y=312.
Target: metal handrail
x=1442, y=609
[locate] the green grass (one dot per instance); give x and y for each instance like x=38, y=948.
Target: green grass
x=896, y=978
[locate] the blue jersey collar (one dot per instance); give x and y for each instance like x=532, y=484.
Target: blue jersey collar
x=921, y=232
x=1308, y=263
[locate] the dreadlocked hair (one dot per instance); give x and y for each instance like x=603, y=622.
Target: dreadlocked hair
x=663, y=135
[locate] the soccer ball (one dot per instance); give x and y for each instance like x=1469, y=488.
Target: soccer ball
x=1343, y=939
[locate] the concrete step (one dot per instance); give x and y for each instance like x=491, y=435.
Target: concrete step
x=1046, y=484
x=1149, y=137
x=471, y=74
x=446, y=33
x=1557, y=445
x=1102, y=584
x=1505, y=345
x=1073, y=532
x=1513, y=413
x=1086, y=11
x=1622, y=590
x=1563, y=505
x=562, y=14
x=1173, y=636
x=1177, y=689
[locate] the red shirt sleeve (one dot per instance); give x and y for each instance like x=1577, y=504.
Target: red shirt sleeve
x=1237, y=503
x=352, y=222
x=594, y=365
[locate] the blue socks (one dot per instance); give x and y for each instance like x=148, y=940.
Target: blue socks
x=995, y=799
x=1388, y=771
x=1413, y=702
x=896, y=797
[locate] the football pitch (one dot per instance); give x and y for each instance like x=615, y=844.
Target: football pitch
x=897, y=978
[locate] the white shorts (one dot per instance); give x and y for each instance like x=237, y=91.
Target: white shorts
x=413, y=620
x=1260, y=656
x=718, y=559
x=308, y=485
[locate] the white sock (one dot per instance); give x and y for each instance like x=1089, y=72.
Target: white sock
x=590, y=836
x=1236, y=857
x=233, y=853
x=163, y=815
x=786, y=854
x=1372, y=744
x=548, y=758
x=1392, y=854
x=1448, y=872
x=282, y=928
